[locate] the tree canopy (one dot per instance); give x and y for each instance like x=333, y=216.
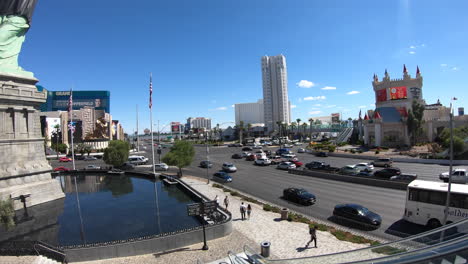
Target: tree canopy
x=415, y=121
x=180, y=155
x=116, y=153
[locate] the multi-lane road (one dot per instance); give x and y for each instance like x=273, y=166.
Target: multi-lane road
x=267, y=183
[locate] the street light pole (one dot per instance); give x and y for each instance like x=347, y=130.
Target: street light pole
x=447, y=200
x=207, y=159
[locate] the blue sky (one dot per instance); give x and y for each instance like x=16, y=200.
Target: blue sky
x=205, y=54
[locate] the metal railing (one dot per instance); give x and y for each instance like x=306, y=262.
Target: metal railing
x=50, y=252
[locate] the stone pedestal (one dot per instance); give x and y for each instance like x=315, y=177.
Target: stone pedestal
x=23, y=165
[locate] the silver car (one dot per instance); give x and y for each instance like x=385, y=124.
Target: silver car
x=229, y=167
x=286, y=165
x=161, y=167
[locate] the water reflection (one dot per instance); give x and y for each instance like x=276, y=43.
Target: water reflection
x=113, y=207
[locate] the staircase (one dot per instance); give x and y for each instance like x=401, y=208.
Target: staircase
x=344, y=135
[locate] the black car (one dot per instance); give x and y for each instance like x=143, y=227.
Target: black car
x=364, y=174
x=126, y=166
x=357, y=213
x=246, y=149
x=206, y=164
x=236, y=156
x=317, y=165
x=387, y=172
x=298, y=195
x=267, y=152
x=321, y=154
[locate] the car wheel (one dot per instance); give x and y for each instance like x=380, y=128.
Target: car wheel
x=433, y=223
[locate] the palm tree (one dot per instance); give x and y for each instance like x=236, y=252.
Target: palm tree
x=292, y=127
x=304, y=127
x=298, y=120
x=311, y=121
x=249, y=126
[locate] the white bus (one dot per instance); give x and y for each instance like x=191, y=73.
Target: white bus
x=425, y=203
x=137, y=160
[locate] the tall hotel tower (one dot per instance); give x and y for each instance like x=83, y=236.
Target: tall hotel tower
x=275, y=91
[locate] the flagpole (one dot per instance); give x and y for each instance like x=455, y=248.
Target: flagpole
x=72, y=130
x=138, y=138
x=151, y=120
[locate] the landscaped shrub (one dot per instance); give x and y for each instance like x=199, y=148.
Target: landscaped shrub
x=377, y=152
x=353, y=151
x=331, y=148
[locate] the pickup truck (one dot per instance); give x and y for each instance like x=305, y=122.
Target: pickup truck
x=458, y=176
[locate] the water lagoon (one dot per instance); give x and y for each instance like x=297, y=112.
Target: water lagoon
x=104, y=208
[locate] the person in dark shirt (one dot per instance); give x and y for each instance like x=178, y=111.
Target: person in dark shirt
x=313, y=236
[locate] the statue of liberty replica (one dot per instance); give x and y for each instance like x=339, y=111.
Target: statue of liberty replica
x=15, y=20
x=25, y=175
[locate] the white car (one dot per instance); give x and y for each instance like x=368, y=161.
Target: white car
x=286, y=165
x=301, y=150
x=245, y=154
x=458, y=176
x=288, y=156
x=257, y=147
x=263, y=162
x=161, y=167
x=297, y=143
x=229, y=167
x=92, y=167
x=367, y=167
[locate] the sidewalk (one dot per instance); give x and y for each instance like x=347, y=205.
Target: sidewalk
x=287, y=238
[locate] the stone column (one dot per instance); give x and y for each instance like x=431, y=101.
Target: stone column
x=23, y=165
x=366, y=133
x=378, y=132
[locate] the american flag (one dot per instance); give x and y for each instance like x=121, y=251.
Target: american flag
x=151, y=92
x=70, y=104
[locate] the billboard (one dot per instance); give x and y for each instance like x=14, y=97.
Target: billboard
x=58, y=100
x=335, y=117
x=398, y=93
x=175, y=127
x=381, y=95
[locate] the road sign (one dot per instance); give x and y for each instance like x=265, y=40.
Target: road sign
x=201, y=208
x=194, y=209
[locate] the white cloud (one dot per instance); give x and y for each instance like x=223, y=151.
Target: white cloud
x=305, y=84
x=222, y=108
x=313, y=98
x=317, y=105
x=353, y=92
x=330, y=106
x=329, y=88
x=455, y=68
x=443, y=65
x=412, y=52
x=293, y=106
x=233, y=106
x=315, y=112
x=423, y=45
x=372, y=105
x=299, y=100
x=412, y=47
x=362, y=106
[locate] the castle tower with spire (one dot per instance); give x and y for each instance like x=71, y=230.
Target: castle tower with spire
x=386, y=125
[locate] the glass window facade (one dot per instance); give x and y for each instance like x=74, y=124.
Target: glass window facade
x=58, y=100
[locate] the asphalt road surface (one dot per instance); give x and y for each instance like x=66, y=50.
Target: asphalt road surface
x=267, y=183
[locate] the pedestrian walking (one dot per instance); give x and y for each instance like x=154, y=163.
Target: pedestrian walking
x=226, y=202
x=249, y=211
x=313, y=236
x=242, y=211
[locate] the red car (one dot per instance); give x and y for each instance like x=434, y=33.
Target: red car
x=296, y=162
x=65, y=159
x=61, y=169
x=251, y=158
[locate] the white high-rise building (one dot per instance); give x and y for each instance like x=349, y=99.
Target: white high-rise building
x=250, y=113
x=199, y=122
x=276, y=106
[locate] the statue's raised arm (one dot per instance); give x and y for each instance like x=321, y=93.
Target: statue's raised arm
x=15, y=20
